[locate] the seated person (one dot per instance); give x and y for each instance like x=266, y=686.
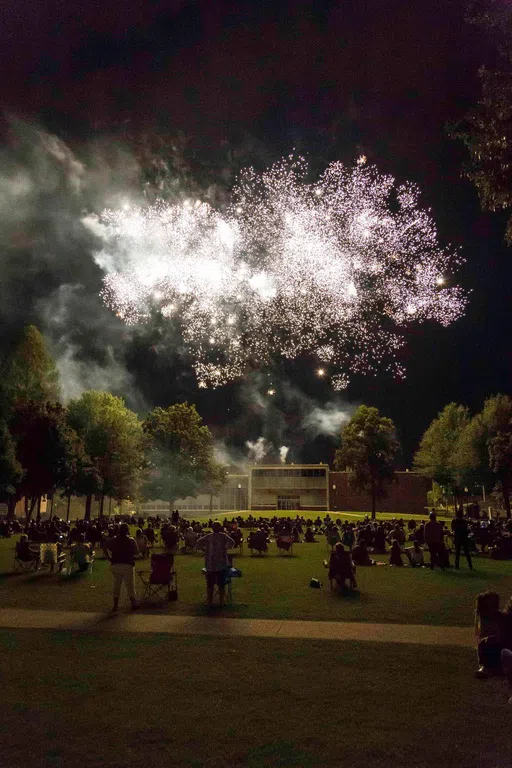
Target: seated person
x=170, y=538
x=348, y=537
x=488, y=629
x=379, y=541
x=415, y=555
x=82, y=553
x=23, y=551
x=395, y=557
x=341, y=566
x=150, y=535
x=333, y=536
x=360, y=554
x=190, y=538
x=309, y=536
x=397, y=534
x=142, y=542
x=237, y=536
x=258, y=540
x=506, y=642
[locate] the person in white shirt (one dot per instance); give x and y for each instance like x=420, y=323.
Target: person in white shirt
x=415, y=555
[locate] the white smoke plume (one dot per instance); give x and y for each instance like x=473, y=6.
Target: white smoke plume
x=327, y=420
x=258, y=449
x=283, y=453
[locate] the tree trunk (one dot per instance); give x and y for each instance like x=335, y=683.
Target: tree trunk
x=374, y=495
x=38, y=500
x=88, y=504
x=51, y=509
x=102, y=500
x=29, y=507
x=109, y=505
x=68, y=508
x=11, y=508
x=211, y=504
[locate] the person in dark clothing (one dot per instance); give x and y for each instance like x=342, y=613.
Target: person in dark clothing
x=341, y=567
x=434, y=540
x=461, y=537
x=395, y=557
x=122, y=551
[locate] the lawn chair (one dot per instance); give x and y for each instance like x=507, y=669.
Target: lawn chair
x=26, y=559
x=161, y=581
x=238, y=538
x=49, y=557
x=257, y=541
x=285, y=544
x=229, y=572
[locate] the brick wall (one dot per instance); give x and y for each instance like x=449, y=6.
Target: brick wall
x=407, y=495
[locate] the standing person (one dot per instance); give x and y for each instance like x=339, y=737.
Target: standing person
x=122, y=551
x=460, y=534
x=215, y=546
x=434, y=540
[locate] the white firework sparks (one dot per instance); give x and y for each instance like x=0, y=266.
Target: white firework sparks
x=339, y=267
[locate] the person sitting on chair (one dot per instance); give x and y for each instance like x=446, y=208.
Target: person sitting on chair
x=415, y=555
x=82, y=553
x=190, y=539
x=258, y=540
x=341, y=567
x=170, y=538
x=142, y=542
x=23, y=551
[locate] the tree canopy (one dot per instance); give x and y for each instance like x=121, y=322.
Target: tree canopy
x=29, y=373
x=486, y=129
x=113, y=440
x=180, y=453
x=11, y=471
x=44, y=446
x=479, y=456
x=434, y=457
x=368, y=449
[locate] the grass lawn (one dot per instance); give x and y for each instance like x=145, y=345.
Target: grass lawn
x=277, y=586
x=194, y=702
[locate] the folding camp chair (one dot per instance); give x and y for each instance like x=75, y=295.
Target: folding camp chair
x=49, y=557
x=257, y=540
x=229, y=572
x=26, y=564
x=161, y=581
x=285, y=544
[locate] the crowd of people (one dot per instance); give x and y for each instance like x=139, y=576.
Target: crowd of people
x=352, y=544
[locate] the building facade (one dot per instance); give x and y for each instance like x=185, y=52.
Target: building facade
x=287, y=487
x=295, y=487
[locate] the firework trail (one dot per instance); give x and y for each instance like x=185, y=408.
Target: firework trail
x=338, y=267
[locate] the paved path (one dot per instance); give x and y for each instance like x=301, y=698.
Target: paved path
x=418, y=634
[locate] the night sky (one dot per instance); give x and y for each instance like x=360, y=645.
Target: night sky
x=245, y=82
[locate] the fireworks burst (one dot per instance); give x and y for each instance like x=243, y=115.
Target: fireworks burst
x=339, y=267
